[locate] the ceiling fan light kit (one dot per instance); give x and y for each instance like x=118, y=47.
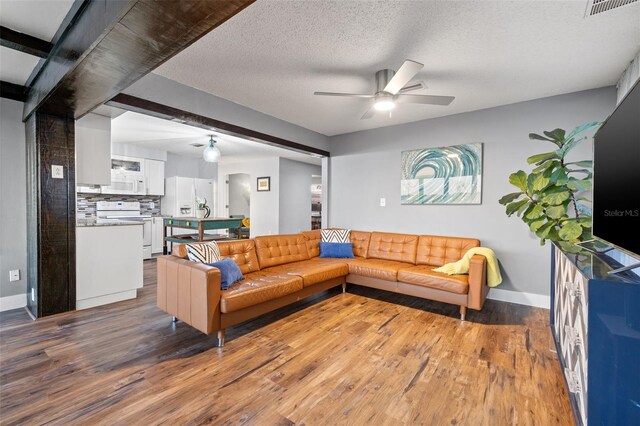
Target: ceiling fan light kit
x=211, y=153
x=391, y=87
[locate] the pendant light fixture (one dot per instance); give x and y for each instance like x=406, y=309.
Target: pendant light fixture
x=211, y=153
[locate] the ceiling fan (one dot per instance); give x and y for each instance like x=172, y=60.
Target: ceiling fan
x=391, y=88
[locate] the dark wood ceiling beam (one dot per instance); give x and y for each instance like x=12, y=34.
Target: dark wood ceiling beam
x=12, y=91
x=143, y=106
x=24, y=43
x=112, y=43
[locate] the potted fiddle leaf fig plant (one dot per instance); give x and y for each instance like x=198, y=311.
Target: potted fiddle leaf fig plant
x=554, y=198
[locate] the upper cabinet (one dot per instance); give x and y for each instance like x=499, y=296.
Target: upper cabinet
x=154, y=171
x=93, y=150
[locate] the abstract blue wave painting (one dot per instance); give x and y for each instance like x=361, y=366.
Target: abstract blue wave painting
x=448, y=175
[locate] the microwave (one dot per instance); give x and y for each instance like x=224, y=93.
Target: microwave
x=127, y=165
x=125, y=184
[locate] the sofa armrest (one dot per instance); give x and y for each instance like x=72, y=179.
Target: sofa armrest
x=189, y=291
x=478, y=288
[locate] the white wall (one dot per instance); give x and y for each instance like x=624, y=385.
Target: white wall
x=365, y=166
x=295, y=195
x=264, y=206
x=13, y=198
x=168, y=92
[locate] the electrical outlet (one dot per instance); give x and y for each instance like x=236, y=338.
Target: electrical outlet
x=14, y=275
x=57, y=172
x=383, y=202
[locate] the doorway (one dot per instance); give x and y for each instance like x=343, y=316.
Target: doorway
x=239, y=200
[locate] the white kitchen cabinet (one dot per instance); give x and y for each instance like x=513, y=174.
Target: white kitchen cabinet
x=154, y=171
x=157, y=235
x=93, y=150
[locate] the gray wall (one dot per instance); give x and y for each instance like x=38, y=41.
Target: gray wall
x=365, y=166
x=168, y=92
x=239, y=194
x=13, y=198
x=295, y=195
x=193, y=167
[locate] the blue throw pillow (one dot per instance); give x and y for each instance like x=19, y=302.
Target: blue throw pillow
x=229, y=272
x=336, y=250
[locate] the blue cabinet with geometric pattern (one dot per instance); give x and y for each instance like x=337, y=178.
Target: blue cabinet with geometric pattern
x=595, y=321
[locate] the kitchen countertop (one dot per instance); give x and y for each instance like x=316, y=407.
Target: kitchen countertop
x=82, y=223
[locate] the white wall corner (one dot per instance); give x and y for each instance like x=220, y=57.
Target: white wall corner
x=13, y=302
x=521, y=298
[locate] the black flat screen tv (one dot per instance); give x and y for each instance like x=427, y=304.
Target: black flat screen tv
x=616, y=176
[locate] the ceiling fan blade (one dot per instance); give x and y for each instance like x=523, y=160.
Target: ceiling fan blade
x=407, y=71
x=349, y=95
x=369, y=113
x=417, y=86
x=424, y=99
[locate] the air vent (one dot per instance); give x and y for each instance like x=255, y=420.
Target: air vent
x=197, y=145
x=595, y=7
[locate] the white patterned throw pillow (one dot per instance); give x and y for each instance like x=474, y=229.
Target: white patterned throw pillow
x=336, y=235
x=203, y=253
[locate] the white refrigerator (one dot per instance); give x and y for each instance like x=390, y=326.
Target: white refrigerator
x=180, y=196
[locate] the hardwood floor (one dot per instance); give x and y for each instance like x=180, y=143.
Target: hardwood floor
x=365, y=357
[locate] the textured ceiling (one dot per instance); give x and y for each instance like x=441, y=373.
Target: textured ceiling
x=272, y=56
x=38, y=18
x=151, y=132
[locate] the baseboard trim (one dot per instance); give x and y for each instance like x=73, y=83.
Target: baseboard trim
x=17, y=301
x=521, y=298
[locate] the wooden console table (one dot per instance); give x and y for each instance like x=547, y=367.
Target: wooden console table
x=199, y=225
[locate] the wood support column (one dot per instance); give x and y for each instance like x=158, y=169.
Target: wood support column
x=51, y=215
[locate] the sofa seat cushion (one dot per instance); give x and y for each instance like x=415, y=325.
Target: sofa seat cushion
x=376, y=268
x=258, y=287
x=425, y=276
x=312, y=271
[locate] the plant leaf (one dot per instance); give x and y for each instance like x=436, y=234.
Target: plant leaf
x=558, y=196
x=511, y=208
x=585, y=163
x=535, y=136
x=509, y=197
x=535, y=212
x=570, y=231
x=541, y=158
x=543, y=231
x=558, y=177
x=556, y=212
x=547, y=165
x=583, y=128
x=537, y=182
x=556, y=135
x=536, y=224
x=523, y=207
x=519, y=180
x=579, y=184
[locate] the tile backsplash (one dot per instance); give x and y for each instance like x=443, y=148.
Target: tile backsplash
x=86, y=203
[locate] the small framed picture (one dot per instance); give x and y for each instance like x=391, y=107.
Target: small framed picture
x=264, y=183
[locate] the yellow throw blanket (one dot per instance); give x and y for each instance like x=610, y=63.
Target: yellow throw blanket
x=462, y=266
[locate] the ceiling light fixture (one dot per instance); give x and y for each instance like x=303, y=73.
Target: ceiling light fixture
x=384, y=102
x=211, y=154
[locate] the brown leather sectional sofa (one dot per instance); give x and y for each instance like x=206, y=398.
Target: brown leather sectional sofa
x=283, y=269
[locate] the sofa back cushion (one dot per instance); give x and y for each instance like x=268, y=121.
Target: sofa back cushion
x=436, y=251
x=243, y=252
x=313, y=242
x=360, y=242
x=274, y=250
x=388, y=246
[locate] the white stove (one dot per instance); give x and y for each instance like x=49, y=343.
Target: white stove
x=130, y=211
